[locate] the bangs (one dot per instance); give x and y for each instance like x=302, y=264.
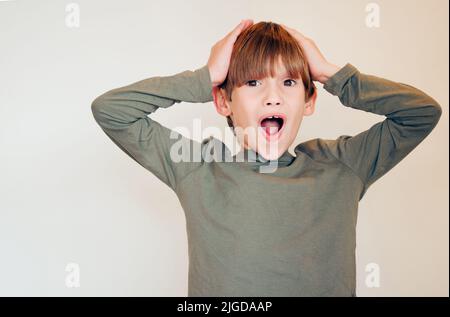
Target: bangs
x=260, y=52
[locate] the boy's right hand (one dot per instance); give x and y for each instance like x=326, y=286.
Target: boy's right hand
x=219, y=59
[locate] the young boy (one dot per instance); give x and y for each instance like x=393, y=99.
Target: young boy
x=290, y=232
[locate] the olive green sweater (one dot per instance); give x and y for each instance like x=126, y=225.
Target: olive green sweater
x=290, y=232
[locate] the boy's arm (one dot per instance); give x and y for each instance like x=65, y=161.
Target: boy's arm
x=410, y=116
x=122, y=114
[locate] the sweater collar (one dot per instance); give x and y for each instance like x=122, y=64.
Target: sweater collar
x=245, y=156
x=250, y=156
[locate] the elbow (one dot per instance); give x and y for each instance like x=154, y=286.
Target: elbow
x=98, y=109
x=436, y=112
x=101, y=105
x=96, y=104
x=432, y=115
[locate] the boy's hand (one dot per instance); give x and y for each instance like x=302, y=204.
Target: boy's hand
x=321, y=70
x=219, y=59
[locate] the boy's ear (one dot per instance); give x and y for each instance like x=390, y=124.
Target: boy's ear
x=310, y=105
x=222, y=105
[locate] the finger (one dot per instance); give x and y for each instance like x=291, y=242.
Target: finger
x=240, y=27
x=286, y=27
x=248, y=23
x=236, y=28
x=229, y=34
x=292, y=31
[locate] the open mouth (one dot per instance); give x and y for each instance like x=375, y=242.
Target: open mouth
x=273, y=125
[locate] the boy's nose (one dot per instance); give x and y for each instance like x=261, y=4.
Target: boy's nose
x=273, y=96
x=273, y=103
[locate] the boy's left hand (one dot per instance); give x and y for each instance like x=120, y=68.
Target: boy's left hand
x=321, y=70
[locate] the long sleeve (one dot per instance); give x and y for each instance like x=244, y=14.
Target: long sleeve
x=122, y=113
x=410, y=116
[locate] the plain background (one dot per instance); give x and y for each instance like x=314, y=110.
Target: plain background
x=68, y=194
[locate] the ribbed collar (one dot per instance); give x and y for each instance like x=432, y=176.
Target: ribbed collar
x=245, y=156
x=250, y=156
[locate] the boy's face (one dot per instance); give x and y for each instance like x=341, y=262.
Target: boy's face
x=280, y=96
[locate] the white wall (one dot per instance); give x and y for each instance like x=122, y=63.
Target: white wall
x=68, y=194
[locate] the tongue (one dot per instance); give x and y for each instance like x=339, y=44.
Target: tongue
x=271, y=126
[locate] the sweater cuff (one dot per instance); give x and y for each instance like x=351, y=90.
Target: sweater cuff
x=205, y=84
x=335, y=83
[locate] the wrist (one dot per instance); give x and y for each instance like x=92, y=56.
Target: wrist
x=328, y=72
x=212, y=76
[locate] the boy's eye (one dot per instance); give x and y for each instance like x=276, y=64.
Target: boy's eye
x=251, y=81
x=291, y=80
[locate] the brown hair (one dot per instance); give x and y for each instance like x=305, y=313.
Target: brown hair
x=255, y=52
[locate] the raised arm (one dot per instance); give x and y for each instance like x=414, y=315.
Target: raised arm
x=410, y=116
x=122, y=114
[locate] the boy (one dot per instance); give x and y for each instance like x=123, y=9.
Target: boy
x=290, y=232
